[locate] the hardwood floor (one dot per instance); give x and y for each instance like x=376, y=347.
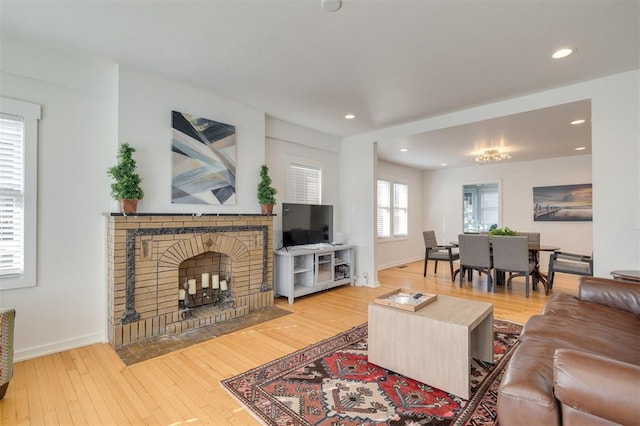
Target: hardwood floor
x=91, y=386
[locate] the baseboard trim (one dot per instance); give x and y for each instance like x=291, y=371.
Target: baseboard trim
x=402, y=262
x=65, y=345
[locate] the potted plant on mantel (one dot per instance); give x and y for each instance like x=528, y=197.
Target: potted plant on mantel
x=266, y=193
x=126, y=186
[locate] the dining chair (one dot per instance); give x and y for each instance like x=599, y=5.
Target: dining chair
x=435, y=252
x=511, y=254
x=475, y=254
x=533, y=237
x=569, y=263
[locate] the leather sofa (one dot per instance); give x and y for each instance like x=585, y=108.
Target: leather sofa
x=578, y=363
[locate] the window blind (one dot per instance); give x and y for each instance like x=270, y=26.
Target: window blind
x=400, y=209
x=384, y=209
x=304, y=184
x=11, y=194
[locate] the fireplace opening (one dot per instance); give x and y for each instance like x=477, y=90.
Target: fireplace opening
x=205, y=280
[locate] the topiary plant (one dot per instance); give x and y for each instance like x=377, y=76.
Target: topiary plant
x=126, y=185
x=266, y=193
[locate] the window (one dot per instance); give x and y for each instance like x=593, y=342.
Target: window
x=400, y=209
x=304, y=185
x=392, y=222
x=481, y=207
x=384, y=209
x=18, y=185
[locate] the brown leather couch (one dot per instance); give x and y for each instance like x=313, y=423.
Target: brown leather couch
x=579, y=362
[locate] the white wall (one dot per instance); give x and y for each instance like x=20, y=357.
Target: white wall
x=144, y=120
x=288, y=143
x=615, y=145
x=393, y=252
x=88, y=108
x=443, y=199
x=616, y=172
x=358, y=169
x=76, y=144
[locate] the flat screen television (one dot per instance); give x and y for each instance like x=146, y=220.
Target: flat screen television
x=306, y=224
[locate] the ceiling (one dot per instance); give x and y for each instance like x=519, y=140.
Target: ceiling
x=388, y=61
x=527, y=136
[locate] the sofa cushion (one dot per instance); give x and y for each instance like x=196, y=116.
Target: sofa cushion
x=570, y=323
x=526, y=389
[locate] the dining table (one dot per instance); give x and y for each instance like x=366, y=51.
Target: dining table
x=534, y=252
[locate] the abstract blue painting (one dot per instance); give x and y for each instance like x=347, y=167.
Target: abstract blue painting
x=204, y=161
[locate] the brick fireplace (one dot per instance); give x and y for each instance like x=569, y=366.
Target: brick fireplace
x=151, y=256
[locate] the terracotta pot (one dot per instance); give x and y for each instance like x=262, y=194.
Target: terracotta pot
x=128, y=205
x=266, y=208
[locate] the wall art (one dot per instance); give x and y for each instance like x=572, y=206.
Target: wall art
x=203, y=160
x=563, y=203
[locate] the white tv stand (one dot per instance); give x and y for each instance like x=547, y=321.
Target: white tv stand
x=302, y=270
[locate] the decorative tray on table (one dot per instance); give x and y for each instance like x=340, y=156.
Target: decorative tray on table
x=406, y=299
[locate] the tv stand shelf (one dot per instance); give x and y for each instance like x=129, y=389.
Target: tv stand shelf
x=302, y=270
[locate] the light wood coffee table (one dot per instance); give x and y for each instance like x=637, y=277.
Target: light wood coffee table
x=435, y=344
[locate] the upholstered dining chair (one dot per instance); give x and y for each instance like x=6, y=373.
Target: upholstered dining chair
x=475, y=254
x=569, y=263
x=435, y=252
x=511, y=254
x=533, y=237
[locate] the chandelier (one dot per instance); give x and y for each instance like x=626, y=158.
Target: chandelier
x=492, y=155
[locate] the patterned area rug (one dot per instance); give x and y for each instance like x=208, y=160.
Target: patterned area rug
x=332, y=383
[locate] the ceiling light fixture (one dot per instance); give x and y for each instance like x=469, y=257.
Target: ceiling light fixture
x=581, y=148
x=349, y=116
x=562, y=53
x=491, y=155
x=444, y=164
x=574, y=122
x=404, y=149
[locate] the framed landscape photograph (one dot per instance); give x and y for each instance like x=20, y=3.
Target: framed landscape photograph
x=203, y=159
x=563, y=203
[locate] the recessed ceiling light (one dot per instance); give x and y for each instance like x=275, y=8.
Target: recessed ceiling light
x=404, y=149
x=444, y=164
x=581, y=148
x=562, y=53
x=331, y=5
x=574, y=122
x=349, y=116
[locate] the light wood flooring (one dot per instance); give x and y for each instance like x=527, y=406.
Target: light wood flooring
x=91, y=385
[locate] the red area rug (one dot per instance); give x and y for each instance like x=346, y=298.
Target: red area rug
x=332, y=383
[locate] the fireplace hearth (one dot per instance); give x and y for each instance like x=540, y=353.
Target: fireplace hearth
x=169, y=273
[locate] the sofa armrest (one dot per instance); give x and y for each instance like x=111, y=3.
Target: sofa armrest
x=617, y=294
x=597, y=386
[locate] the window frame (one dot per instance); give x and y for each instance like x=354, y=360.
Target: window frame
x=30, y=113
x=391, y=210
x=475, y=191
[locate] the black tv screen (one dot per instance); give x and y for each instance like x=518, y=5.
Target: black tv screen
x=306, y=224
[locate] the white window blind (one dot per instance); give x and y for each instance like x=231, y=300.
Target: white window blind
x=384, y=209
x=400, y=209
x=11, y=195
x=392, y=209
x=18, y=192
x=304, y=185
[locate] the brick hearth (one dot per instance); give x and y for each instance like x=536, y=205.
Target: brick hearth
x=151, y=255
